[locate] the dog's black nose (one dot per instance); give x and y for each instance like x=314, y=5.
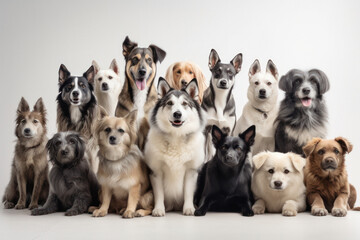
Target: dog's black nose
x=177, y=115
x=142, y=72
x=27, y=130
x=75, y=93
x=262, y=92
x=229, y=158
x=112, y=139
x=329, y=160
x=64, y=152
x=105, y=86
x=306, y=91
x=277, y=183
x=223, y=83
x=183, y=82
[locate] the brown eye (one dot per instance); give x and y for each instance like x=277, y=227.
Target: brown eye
x=110, y=77
x=256, y=83
x=178, y=72
x=286, y=171
x=184, y=104
x=121, y=130
x=68, y=88
x=72, y=141
x=100, y=78
x=23, y=121
x=336, y=151
x=223, y=148
x=149, y=60
x=82, y=85
x=169, y=103
x=35, y=121
x=321, y=152
x=271, y=171
x=238, y=149
x=269, y=83
x=107, y=130
x=134, y=61
x=58, y=143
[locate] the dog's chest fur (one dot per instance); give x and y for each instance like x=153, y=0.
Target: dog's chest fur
x=30, y=158
x=306, y=134
x=139, y=102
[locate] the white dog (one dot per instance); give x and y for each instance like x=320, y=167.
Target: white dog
x=175, y=148
x=108, y=86
x=278, y=183
x=262, y=108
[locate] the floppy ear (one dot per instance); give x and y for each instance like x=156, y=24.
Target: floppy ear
x=114, y=66
x=103, y=112
x=324, y=84
x=158, y=53
x=90, y=74
x=217, y=135
x=213, y=59
x=297, y=161
x=259, y=159
x=96, y=66
x=201, y=80
x=81, y=147
x=170, y=75
x=236, y=62
x=23, y=106
x=345, y=144
x=271, y=68
x=285, y=83
x=249, y=135
x=310, y=146
x=40, y=107
x=63, y=74
x=163, y=87
x=128, y=46
x=254, y=68
x=131, y=117
x=192, y=89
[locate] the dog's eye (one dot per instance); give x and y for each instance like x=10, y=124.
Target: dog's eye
x=321, y=152
x=23, y=121
x=134, y=61
x=223, y=148
x=100, y=78
x=286, y=171
x=121, y=130
x=178, y=71
x=108, y=130
x=35, y=121
x=68, y=88
x=58, y=143
x=238, y=149
x=82, y=85
x=269, y=83
x=184, y=104
x=191, y=72
x=271, y=171
x=256, y=83
x=336, y=151
x=297, y=81
x=170, y=103
x=110, y=77
x=72, y=141
x=149, y=60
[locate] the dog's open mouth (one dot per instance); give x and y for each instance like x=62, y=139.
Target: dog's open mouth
x=177, y=123
x=140, y=83
x=75, y=100
x=306, y=101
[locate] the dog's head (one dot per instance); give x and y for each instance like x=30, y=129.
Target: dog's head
x=327, y=157
x=280, y=170
x=263, y=86
x=232, y=151
x=140, y=65
x=76, y=90
x=223, y=74
x=304, y=87
x=66, y=148
x=107, y=80
x=178, y=111
x=30, y=125
x=116, y=135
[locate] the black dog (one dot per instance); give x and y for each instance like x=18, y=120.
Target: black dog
x=224, y=183
x=303, y=113
x=74, y=186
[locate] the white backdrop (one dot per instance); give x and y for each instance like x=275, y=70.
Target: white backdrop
x=37, y=36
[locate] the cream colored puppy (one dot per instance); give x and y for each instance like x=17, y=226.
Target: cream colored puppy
x=278, y=183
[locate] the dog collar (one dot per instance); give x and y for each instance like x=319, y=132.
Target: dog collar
x=265, y=114
x=32, y=147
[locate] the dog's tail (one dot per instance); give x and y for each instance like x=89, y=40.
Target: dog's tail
x=147, y=200
x=352, y=199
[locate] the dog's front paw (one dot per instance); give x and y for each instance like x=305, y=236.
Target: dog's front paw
x=91, y=209
x=38, y=211
x=316, y=211
x=128, y=214
x=100, y=213
x=157, y=212
x=247, y=212
x=20, y=206
x=199, y=212
x=189, y=211
x=33, y=206
x=8, y=205
x=72, y=212
x=339, y=212
x=289, y=212
x=258, y=209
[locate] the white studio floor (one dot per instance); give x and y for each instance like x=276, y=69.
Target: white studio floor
x=18, y=224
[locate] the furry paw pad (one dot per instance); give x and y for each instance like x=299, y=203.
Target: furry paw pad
x=38, y=211
x=128, y=214
x=8, y=205
x=319, y=211
x=199, y=213
x=339, y=212
x=158, y=212
x=71, y=212
x=33, y=206
x=289, y=212
x=99, y=213
x=189, y=211
x=247, y=212
x=258, y=209
x=19, y=206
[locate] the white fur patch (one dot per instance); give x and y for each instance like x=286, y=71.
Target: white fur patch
x=140, y=100
x=75, y=114
x=305, y=135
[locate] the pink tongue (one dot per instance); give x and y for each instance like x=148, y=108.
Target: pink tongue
x=306, y=102
x=140, y=85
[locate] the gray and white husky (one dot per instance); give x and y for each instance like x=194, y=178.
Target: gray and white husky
x=218, y=100
x=174, y=150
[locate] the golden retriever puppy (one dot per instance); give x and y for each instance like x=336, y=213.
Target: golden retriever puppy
x=122, y=174
x=278, y=183
x=326, y=179
x=179, y=74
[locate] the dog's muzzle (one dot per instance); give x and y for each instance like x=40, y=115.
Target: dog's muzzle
x=104, y=86
x=27, y=133
x=277, y=185
x=223, y=84
x=262, y=94
x=329, y=164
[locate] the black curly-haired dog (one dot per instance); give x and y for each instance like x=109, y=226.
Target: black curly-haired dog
x=224, y=183
x=74, y=186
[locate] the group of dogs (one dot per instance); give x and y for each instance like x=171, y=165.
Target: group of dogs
x=126, y=146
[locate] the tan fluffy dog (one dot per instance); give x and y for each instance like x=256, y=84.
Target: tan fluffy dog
x=180, y=74
x=326, y=179
x=122, y=173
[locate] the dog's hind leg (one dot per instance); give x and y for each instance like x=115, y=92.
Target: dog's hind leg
x=50, y=206
x=81, y=204
x=11, y=193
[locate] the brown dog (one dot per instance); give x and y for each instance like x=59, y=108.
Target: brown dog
x=179, y=74
x=326, y=179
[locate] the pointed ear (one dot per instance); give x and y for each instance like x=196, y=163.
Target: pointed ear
x=345, y=144
x=90, y=74
x=321, y=78
x=23, y=106
x=249, y=135
x=63, y=74
x=213, y=59
x=39, y=106
x=297, y=161
x=128, y=46
x=163, y=87
x=192, y=89
x=236, y=62
x=310, y=146
x=217, y=135
x=271, y=68
x=158, y=53
x=259, y=159
x=96, y=67
x=103, y=112
x=254, y=68
x=114, y=66
x=131, y=117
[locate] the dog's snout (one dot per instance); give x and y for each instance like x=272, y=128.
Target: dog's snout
x=278, y=184
x=64, y=152
x=229, y=158
x=183, y=82
x=177, y=115
x=27, y=130
x=112, y=140
x=105, y=86
x=329, y=160
x=329, y=163
x=142, y=71
x=75, y=93
x=223, y=83
x=262, y=91
x=306, y=91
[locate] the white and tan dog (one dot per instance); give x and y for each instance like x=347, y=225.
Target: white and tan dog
x=262, y=108
x=108, y=85
x=278, y=183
